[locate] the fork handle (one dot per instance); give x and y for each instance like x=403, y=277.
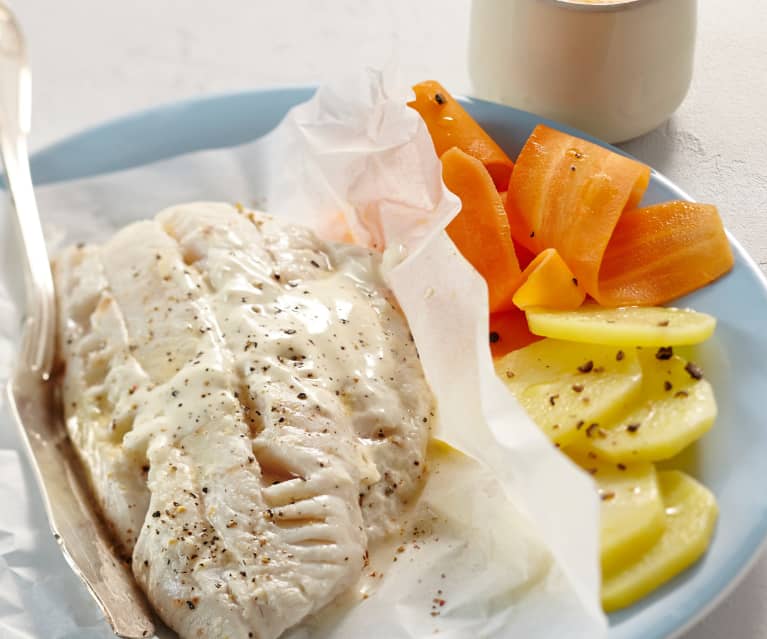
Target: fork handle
x=38, y=341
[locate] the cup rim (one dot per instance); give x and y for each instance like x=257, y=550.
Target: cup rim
x=614, y=5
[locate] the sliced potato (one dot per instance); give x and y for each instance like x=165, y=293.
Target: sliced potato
x=565, y=387
x=673, y=410
x=628, y=326
x=632, y=509
x=691, y=513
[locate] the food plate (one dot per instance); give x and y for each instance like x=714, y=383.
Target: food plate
x=729, y=460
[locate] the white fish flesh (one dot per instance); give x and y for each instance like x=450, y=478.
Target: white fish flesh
x=249, y=406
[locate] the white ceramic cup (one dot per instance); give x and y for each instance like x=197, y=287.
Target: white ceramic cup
x=615, y=69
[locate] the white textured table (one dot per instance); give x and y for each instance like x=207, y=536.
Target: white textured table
x=96, y=59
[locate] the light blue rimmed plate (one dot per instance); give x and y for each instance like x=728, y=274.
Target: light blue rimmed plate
x=730, y=459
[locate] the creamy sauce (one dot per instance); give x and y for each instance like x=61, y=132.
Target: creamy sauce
x=599, y=1
x=250, y=406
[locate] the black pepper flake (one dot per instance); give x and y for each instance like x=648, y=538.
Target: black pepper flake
x=575, y=281
x=553, y=399
x=290, y=331
x=681, y=394
x=663, y=323
x=190, y=605
x=586, y=368
x=301, y=396
x=578, y=388
x=314, y=264
x=693, y=370
x=156, y=513
x=607, y=495
x=205, y=489
x=621, y=466
x=494, y=337
x=633, y=428
x=667, y=385
x=619, y=355
x=532, y=233
x=439, y=98
x=664, y=352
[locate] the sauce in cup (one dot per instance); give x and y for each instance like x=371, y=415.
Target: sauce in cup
x=613, y=68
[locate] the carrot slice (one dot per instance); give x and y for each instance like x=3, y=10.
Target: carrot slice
x=566, y=193
x=481, y=229
x=548, y=282
x=661, y=252
x=509, y=332
x=524, y=255
x=450, y=125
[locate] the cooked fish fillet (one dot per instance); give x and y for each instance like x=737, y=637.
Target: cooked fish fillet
x=250, y=407
x=98, y=388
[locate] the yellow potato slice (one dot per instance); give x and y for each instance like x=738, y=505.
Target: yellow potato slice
x=691, y=513
x=628, y=326
x=673, y=410
x=632, y=515
x=566, y=387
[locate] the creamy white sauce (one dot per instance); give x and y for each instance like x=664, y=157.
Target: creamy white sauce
x=249, y=399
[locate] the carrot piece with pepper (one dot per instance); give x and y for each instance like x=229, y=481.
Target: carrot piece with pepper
x=568, y=194
x=509, y=332
x=450, y=125
x=481, y=229
x=661, y=252
x=548, y=282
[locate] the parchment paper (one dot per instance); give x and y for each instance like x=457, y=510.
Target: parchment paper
x=512, y=548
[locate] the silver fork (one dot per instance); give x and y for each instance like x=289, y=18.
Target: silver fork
x=68, y=501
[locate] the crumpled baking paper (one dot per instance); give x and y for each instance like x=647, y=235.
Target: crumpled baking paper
x=511, y=548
